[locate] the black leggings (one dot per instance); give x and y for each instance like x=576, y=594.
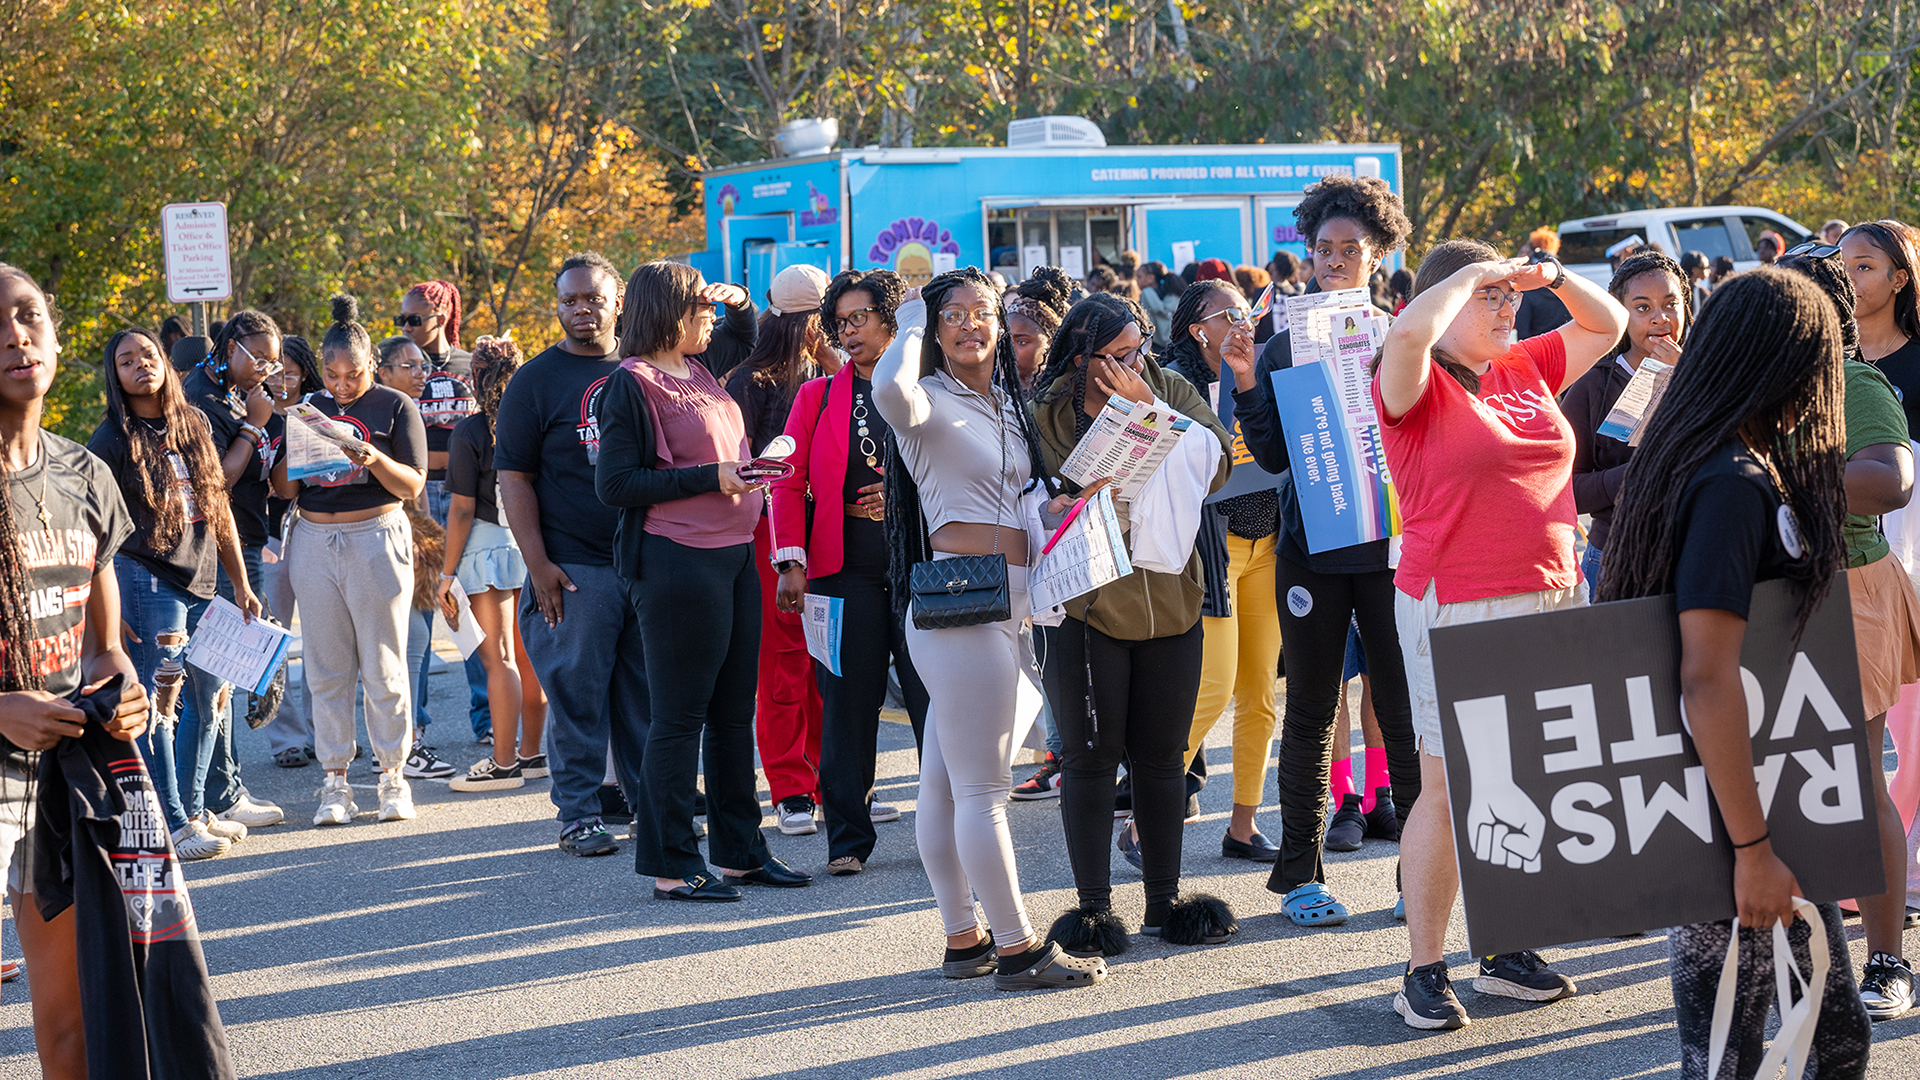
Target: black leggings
x=1143, y=694
x=870, y=634
x=699, y=612
x=1315, y=645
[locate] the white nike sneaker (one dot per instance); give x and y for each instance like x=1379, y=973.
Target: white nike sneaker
x=396, y=797
x=336, y=802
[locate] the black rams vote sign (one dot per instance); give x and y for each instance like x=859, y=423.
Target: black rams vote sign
x=1580, y=809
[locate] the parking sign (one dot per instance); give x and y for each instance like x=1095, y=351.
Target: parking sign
x=195, y=237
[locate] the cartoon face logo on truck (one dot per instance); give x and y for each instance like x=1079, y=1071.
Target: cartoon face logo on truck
x=908, y=246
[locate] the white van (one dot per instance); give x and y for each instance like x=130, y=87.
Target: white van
x=1712, y=231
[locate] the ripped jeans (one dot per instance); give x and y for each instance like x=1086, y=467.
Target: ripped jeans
x=162, y=615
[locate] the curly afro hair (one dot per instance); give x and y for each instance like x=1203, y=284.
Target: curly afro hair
x=885, y=286
x=1366, y=199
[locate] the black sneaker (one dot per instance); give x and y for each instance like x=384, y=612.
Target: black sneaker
x=1349, y=825
x=1426, y=1000
x=1523, y=976
x=1383, y=821
x=1044, y=784
x=587, y=838
x=424, y=764
x=535, y=767
x=1886, y=987
x=613, y=805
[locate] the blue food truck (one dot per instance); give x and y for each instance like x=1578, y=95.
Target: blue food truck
x=919, y=211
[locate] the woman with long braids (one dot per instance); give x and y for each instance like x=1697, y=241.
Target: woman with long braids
x=60, y=526
x=1749, y=434
x=1125, y=663
x=1659, y=303
x=159, y=448
x=963, y=449
x=1242, y=639
x=1879, y=480
x=352, y=569
x=482, y=557
x=1320, y=598
x=838, y=436
x=1482, y=462
x=790, y=349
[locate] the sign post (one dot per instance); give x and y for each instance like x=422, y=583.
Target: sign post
x=199, y=266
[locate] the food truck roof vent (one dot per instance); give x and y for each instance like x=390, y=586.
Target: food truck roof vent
x=1054, y=131
x=798, y=138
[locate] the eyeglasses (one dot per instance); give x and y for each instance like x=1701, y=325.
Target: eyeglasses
x=1814, y=250
x=1495, y=299
x=956, y=317
x=408, y=322
x=704, y=312
x=1237, y=315
x=855, y=319
x=1132, y=358
x=406, y=367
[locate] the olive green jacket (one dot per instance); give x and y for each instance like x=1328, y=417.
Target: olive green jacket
x=1144, y=604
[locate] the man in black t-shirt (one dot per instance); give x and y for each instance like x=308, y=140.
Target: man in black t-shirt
x=580, y=633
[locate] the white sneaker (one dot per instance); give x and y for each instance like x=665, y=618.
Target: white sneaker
x=227, y=830
x=796, y=816
x=192, y=841
x=336, y=802
x=880, y=813
x=251, y=812
x=396, y=797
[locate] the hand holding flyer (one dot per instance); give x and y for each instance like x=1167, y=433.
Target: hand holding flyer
x=314, y=443
x=1127, y=442
x=1085, y=553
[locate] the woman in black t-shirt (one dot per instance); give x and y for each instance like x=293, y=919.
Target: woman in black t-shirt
x=1738, y=480
x=159, y=447
x=60, y=524
x=482, y=556
x=1882, y=262
x=352, y=567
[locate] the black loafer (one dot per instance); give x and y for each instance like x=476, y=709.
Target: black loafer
x=773, y=874
x=1254, y=850
x=699, y=889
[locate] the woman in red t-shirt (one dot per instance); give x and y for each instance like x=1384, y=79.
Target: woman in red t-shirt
x=1482, y=463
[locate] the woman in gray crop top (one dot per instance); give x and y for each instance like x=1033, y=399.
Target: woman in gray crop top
x=962, y=450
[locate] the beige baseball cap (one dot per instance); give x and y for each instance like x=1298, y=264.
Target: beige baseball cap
x=797, y=289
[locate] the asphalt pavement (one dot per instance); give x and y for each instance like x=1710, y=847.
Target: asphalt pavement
x=465, y=945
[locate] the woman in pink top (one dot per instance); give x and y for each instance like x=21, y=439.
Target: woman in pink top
x=671, y=446
x=1482, y=461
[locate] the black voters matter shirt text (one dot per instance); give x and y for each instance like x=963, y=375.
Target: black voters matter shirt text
x=86, y=524
x=549, y=428
x=384, y=417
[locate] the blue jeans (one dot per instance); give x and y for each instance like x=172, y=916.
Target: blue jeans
x=1590, y=569
x=223, y=787
x=178, y=756
x=595, y=675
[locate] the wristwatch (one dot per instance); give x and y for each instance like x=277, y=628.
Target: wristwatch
x=785, y=565
x=1559, y=273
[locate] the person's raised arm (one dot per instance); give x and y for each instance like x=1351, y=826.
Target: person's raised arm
x=1406, y=360
x=896, y=377
x=1716, y=704
x=1598, y=319
x=1254, y=407
x=240, y=453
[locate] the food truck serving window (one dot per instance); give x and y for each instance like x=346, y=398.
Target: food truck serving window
x=1074, y=238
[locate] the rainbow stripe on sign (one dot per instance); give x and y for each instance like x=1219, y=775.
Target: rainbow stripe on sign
x=1339, y=465
x=1263, y=306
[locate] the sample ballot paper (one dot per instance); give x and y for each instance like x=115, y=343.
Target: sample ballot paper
x=226, y=646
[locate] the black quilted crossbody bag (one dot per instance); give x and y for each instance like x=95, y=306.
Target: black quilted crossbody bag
x=965, y=590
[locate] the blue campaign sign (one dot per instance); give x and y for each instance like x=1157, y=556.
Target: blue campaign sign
x=1247, y=475
x=1343, y=498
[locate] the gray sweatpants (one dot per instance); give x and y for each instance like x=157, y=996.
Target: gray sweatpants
x=354, y=583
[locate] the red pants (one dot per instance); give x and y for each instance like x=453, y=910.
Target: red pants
x=786, y=716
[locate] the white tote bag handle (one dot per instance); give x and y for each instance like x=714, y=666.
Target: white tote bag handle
x=1795, y=1039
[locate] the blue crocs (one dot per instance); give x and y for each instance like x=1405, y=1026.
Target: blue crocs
x=1400, y=909
x=1312, y=905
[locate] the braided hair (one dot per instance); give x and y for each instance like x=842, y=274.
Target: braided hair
x=1831, y=276
x=445, y=298
x=1043, y=299
x=345, y=333
x=495, y=359
x=238, y=327
x=150, y=483
x=1650, y=261
x=1765, y=361
x=1090, y=324
x=1184, y=355
x=1896, y=241
x=17, y=671
x=885, y=286
x=908, y=540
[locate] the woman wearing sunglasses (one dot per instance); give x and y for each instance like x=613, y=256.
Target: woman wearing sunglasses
x=829, y=516
x=1482, y=460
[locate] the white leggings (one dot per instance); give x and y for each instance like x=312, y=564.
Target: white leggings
x=972, y=677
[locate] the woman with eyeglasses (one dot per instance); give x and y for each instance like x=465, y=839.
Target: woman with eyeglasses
x=1482, y=462
x=1125, y=664
x=962, y=451
x=835, y=545
x=672, y=444
x=430, y=318
x=403, y=367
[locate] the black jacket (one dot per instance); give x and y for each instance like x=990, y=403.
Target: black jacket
x=1599, y=461
x=625, y=477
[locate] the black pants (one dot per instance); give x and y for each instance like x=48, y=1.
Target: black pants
x=700, y=627
x=870, y=636
x=1141, y=708
x=1315, y=645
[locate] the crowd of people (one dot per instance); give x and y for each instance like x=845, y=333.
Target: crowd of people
x=606, y=513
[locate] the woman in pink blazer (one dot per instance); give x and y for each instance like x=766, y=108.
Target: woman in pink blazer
x=830, y=539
